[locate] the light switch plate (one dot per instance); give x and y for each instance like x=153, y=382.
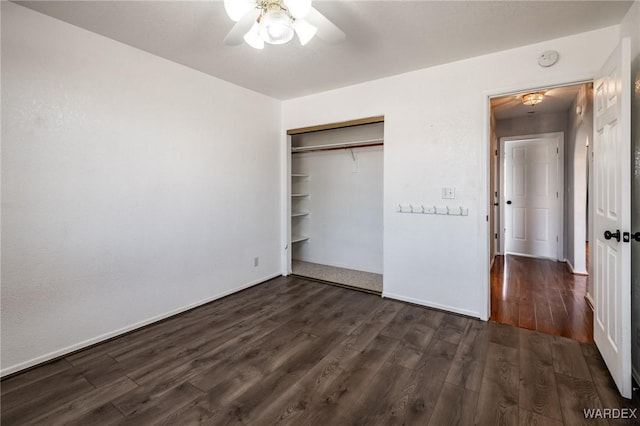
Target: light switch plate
x=448, y=193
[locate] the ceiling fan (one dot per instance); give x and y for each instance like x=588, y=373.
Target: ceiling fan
x=276, y=21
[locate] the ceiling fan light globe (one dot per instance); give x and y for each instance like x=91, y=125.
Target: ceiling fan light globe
x=304, y=30
x=298, y=8
x=276, y=27
x=236, y=9
x=253, y=38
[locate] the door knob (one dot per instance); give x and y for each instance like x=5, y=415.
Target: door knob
x=636, y=236
x=608, y=235
x=509, y=202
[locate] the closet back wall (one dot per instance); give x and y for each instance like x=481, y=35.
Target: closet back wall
x=132, y=187
x=345, y=220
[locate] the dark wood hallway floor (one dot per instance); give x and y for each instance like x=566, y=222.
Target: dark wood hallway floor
x=295, y=352
x=542, y=295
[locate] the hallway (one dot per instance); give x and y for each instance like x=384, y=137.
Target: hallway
x=540, y=295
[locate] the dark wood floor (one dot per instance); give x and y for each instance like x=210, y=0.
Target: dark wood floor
x=296, y=352
x=541, y=295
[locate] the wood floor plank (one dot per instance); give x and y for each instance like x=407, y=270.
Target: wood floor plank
x=86, y=403
x=311, y=386
x=363, y=335
x=469, y=362
x=576, y=395
x=439, y=355
x=538, y=343
x=400, y=324
x=590, y=350
x=162, y=407
x=385, y=400
x=420, y=335
x=406, y=355
x=503, y=334
x=104, y=415
x=528, y=418
x=33, y=375
x=468, y=366
x=456, y=406
x=250, y=406
x=526, y=310
x=452, y=329
x=538, y=392
x=425, y=386
x=31, y=401
x=568, y=358
x=101, y=371
x=498, y=398
x=345, y=390
x=345, y=316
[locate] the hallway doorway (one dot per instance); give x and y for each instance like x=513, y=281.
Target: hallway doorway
x=548, y=295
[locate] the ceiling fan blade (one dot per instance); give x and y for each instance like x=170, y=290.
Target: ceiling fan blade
x=327, y=30
x=236, y=35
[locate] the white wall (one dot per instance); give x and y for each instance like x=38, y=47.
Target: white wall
x=436, y=135
x=630, y=27
x=132, y=187
x=532, y=124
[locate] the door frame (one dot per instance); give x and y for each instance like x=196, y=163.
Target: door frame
x=487, y=154
x=559, y=205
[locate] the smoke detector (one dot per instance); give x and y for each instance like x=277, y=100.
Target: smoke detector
x=548, y=58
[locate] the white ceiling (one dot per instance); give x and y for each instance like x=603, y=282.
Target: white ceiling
x=383, y=37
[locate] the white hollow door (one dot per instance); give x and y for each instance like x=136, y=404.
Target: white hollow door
x=531, y=203
x=611, y=216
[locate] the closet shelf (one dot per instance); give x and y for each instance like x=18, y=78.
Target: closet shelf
x=299, y=195
x=298, y=175
x=298, y=238
x=343, y=145
x=298, y=214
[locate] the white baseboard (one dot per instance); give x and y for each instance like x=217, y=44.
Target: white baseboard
x=106, y=336
x=432, y=305
x=535, y=257
x=573, y=270
x=590, y=301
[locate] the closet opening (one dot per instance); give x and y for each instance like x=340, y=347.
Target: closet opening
x=335, y=203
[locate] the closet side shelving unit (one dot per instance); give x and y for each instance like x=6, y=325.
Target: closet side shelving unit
x=295, y=213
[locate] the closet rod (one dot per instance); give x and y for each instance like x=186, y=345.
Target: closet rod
x=346, y=145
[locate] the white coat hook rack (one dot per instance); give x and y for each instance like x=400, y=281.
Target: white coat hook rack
x=433, y=209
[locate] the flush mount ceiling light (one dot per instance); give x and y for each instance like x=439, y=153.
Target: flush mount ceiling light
x=532, y=99
x=276, y=21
